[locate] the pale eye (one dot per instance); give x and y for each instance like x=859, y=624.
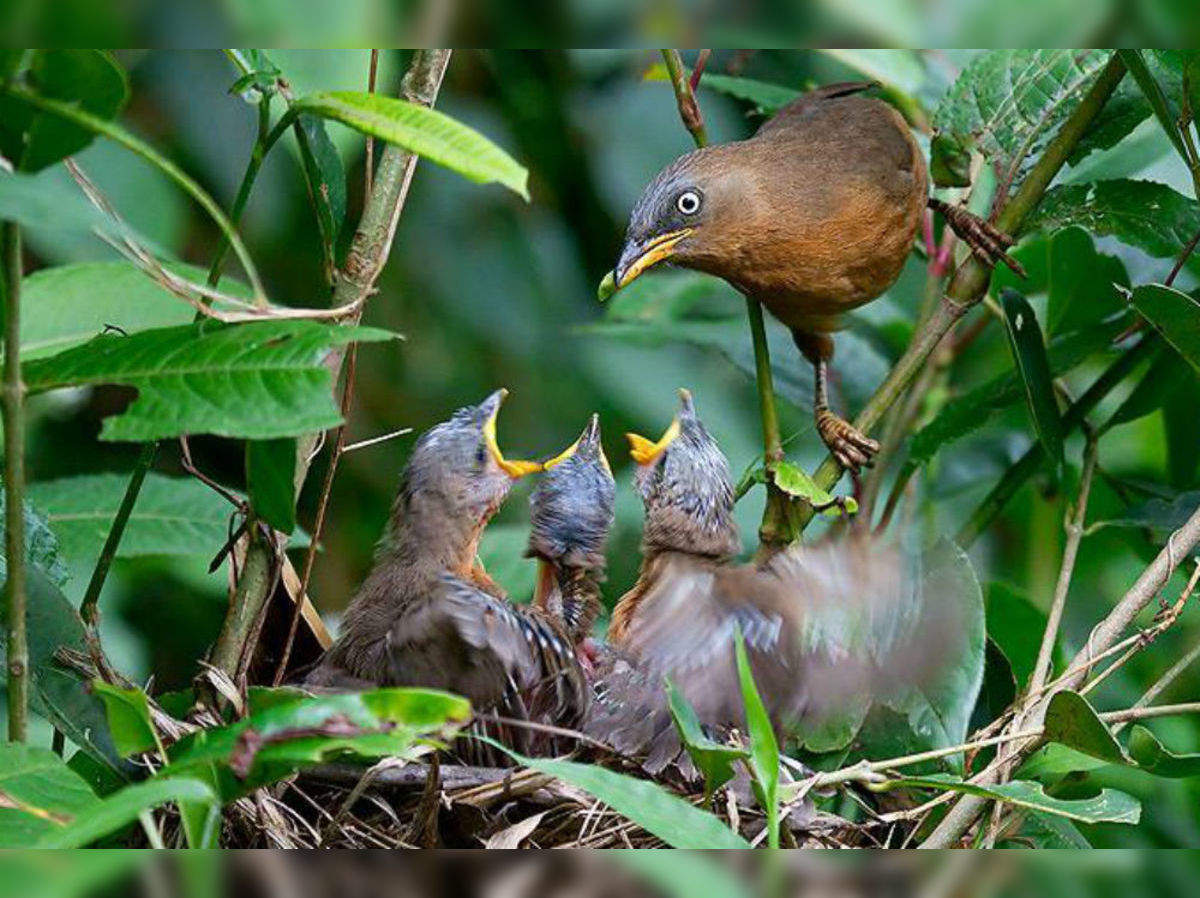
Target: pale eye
x=688, y=202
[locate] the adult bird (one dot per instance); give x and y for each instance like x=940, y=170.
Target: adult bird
x=427, y=614
x=813, y=216
x=825, y=625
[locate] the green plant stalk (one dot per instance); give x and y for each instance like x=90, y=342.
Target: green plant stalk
x=88, y=608
x=14, y=485
x=970, y=280
x=777, y=526
x=1029, y=463
x=123, y=138
x=249, y=597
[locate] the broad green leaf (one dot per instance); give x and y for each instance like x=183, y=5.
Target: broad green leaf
x=257, y=380
x=271, y=481
x=1152, y=757
x=899, y=69
x=764, y=749
x=90, y=79
x=122, y=808
x=649, y=805
x=976, y=407
x=38, y=793
x=1072, y=722
x=714, y=759
x=999, y=686
x=835, y=728
x=938, y=711
x=1007, y=104
x=1167, y=117
x=678, y=874
x=172, y=516
x=294, y=731
x=1050, y=831
x=326, y=181
x=1110, y=806
x=1164, y=376
x=1182, y=426
x=766, y=98
x=1082, y=285
x=42, y=547
x=1016, y=625
x=68, y=305
x=55, y=207
x=1144, y=214
x=84, y=874
x=1029, y=356
x=1173, y=314
x=423, y=131
x=794, y=481
x=128, y=718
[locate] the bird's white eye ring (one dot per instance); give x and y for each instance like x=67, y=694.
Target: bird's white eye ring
x=688, y=202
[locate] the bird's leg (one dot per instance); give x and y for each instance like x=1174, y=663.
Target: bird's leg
x=987, y=242
x=852, y=449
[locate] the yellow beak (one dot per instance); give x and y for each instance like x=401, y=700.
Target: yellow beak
x=514, y=469
x=661, y=247
x=643, y=451
x=562, y=456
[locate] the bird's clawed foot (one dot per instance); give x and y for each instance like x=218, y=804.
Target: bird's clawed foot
x=852, y=449
x=989, y=244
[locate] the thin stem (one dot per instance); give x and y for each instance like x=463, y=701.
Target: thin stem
x=369, y=169
x=1029, y=463
x=14, y=485
x=1041, y=668
x=88, y=608
x=1164, y=681
x=122, y=137
x=970, y=280
x=685, y=97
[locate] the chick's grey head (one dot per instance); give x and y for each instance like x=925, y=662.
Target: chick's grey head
x=457, y=470
x=691, y=213
x=685, y=485
x=572, y=505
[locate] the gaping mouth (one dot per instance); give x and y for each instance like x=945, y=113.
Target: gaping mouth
x=650, y=254
x=644, y=452
x=513, y=468
x=590, y=439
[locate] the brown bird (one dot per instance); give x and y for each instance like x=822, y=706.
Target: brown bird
x=427, y=614
x=823, y=624
x=813, y=216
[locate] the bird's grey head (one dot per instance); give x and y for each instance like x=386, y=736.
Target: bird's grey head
x=457, y=469
x=684, y=213
x=572, y=505
x=686, y=488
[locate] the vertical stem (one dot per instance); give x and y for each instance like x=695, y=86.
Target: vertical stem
x=88, y=607
x=689, y=109
x=14, y=484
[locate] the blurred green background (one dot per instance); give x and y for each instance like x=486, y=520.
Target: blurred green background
x=489, y=291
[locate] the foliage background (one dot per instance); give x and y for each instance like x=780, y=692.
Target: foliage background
x=490, y=291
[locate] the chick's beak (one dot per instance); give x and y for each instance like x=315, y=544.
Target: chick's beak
x=513, y=468
x=638, y=257
x=587, y=446
x=645, y=452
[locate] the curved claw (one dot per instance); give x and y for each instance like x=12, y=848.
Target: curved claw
x=852, y=449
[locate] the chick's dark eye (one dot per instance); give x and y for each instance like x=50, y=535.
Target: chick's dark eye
x=688, y=202
x=481, y=455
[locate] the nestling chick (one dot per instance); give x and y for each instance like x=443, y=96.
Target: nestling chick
x=813, y=217
x=427, y=615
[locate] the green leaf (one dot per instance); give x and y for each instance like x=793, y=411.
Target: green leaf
x=714, y=759
x=257, y=380
x=1182, y=426
x=976, y=407
x=1029, y=356
x=38, y=793
x=938, y=711
x=172, y=516
x=1110, y=806
x=1016, y=625
x=766, y=98
x=1082, y=284
x=899, y=69
x=1161, y=378
x=1007, y=104
x=1049, y=831
x=423, y=131
x=122, y=808
x=1140, y=72
x=794, y=481
x=128, y=718
x=764, y=749
x=1173, y=314
x=90, y=79
x=271, y=480
x=1160, y=516
x=1144, y=214
x=649, y=805
x=1152, y=757
x=676, y=874
x=326, y=182
x=55, y=207
x=286, y=731
x=68, y=305
x=41, y=544
x=1072, y=722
